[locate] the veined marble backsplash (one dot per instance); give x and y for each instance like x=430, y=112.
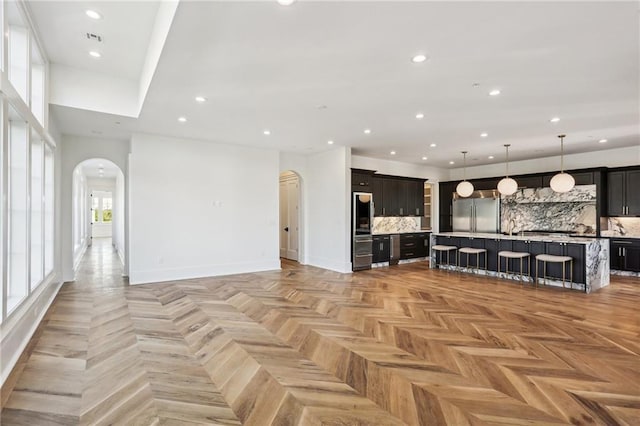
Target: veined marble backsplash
x=622, y=227
x=579, y=193
x=396, y=225
x=539, y=209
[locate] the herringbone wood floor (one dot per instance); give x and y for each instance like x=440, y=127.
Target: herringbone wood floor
x=400, y=345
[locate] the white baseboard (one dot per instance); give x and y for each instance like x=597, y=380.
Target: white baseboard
x=78, y=258
x=19, y=328
x=174, y=274
x=331, y=264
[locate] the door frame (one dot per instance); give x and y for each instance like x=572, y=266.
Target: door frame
x=286, y=175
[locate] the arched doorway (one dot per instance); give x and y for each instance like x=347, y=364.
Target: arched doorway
x=291, y=218
x=98, y=215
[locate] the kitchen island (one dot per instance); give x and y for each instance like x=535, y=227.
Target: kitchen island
x=590, y=266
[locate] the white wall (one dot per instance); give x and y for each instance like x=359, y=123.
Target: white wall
x=201, y=209
x=398, y=168
x=74, y=150
x=619, y=157
x=76, y=88
x=79, y=215
x=328, y=184
x=119, y=217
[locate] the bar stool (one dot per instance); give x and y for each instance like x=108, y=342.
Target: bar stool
x=550, y=258
x=442, y=248
x=477, y=252
x=515, y=255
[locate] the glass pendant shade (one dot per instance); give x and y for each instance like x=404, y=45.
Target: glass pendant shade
x=562, y=182
x=507, y=186
x=464, y=188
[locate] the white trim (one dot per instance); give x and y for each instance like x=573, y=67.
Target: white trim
x=173, y=274
x=330, y=264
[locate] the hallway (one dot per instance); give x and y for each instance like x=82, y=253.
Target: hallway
x=100, y=267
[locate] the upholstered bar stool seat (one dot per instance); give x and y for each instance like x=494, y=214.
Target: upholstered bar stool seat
x=472, y=250
x=442, y=248
x=514, y=255
x=551, y=258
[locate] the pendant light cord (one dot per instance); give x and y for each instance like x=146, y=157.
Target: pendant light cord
x=561, y=153
x=464, y=161
x=507, y=148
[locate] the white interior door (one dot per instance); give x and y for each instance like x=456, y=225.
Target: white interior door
x=289, y=190
x=284, y=219
x=292, y=187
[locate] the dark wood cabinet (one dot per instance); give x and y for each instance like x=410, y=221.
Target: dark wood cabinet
x=390, y=197
x=554, y=270
x=378, y=196
x=625, y=255
x=414, y=245
x=445, y=198
x=361, y=181
x=381, y=248
x=529, y=181
x=414, y=190
x=581, y=178
x=623, y=192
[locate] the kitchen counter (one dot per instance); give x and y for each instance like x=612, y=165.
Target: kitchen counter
x=591, y=256
x=550, y=238
x=420, y=231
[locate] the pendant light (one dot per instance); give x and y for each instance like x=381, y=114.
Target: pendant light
x=464, y=188
x=562, y=182
x=507, y=186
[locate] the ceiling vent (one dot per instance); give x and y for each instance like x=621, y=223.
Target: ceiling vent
x=94, y=37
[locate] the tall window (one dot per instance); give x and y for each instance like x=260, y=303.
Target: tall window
x=106, y=209
x=48, y=209
x=18, y=213
x=37, y=225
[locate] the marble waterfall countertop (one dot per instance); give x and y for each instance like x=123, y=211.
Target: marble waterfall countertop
x=596, y=262
x=559, y=238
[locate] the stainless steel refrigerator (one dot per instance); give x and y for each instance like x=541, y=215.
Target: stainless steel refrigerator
x=478, y=213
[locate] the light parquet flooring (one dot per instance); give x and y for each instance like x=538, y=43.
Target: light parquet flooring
x=399, y=345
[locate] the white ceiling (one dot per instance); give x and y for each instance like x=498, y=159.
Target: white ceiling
x=263, y=66
x=92, y=169
x=125, y=30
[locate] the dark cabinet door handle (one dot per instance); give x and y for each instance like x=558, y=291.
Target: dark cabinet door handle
x=286, y=229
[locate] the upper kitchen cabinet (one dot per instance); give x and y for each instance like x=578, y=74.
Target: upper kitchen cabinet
x=397, y=196
x=623, y=195
x=378, y=196
x=582, y=178
x=361, y=180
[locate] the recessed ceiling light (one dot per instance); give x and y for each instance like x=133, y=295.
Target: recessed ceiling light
x=484, y=135
x=602, y=141
x=490, y=157
x=267, y=132
x=424, y=158
x=419, y=116
x=452, y=162
x=93, y=14
x=95, y=54
x=286, y=2
x=494, y=92
x=367, y=131
x=392, y=153
x=433, y=145
x=330, y=142
x=555, y=119
x=201, y=99
x=419, y=58
x=182, y=119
